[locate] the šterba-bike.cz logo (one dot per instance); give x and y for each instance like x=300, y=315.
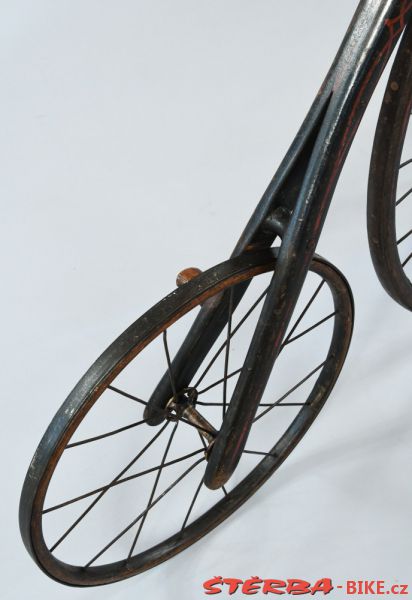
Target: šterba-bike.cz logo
x=294, y=587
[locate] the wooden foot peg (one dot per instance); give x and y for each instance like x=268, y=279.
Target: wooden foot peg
x=186, y=275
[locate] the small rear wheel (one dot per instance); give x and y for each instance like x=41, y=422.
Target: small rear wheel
x=107, y=495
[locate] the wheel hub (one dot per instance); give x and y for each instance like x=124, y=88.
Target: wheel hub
x=182, y=406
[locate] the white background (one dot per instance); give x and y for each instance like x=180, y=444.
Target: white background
x=136, y=138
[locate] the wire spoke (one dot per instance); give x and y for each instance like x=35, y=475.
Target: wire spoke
x=105, y=435
x=405, y=262
x=192, y=503
x=123, y=480
x=299, y=335
x=126, y=394
x=405, y=163
x=302, y=314
x=172, y=383
x=212, y=385
x=226, y=367
x=404, y=237
x=203, y=440
x=210, y=403
x=142, y=522
x=259, y=453
x=106, y=488
x=169, y=365
x=260, y=404
x=288, y=340
x=302, y=381
x=162, y=495
x=404, y=196
x=286, y=404
x=235, y=329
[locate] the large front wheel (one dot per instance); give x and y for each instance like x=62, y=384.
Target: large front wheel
x=107, y=495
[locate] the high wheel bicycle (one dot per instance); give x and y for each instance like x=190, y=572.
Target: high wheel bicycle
x=192, y=408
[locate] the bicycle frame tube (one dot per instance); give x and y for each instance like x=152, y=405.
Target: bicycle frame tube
x=293, y=208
